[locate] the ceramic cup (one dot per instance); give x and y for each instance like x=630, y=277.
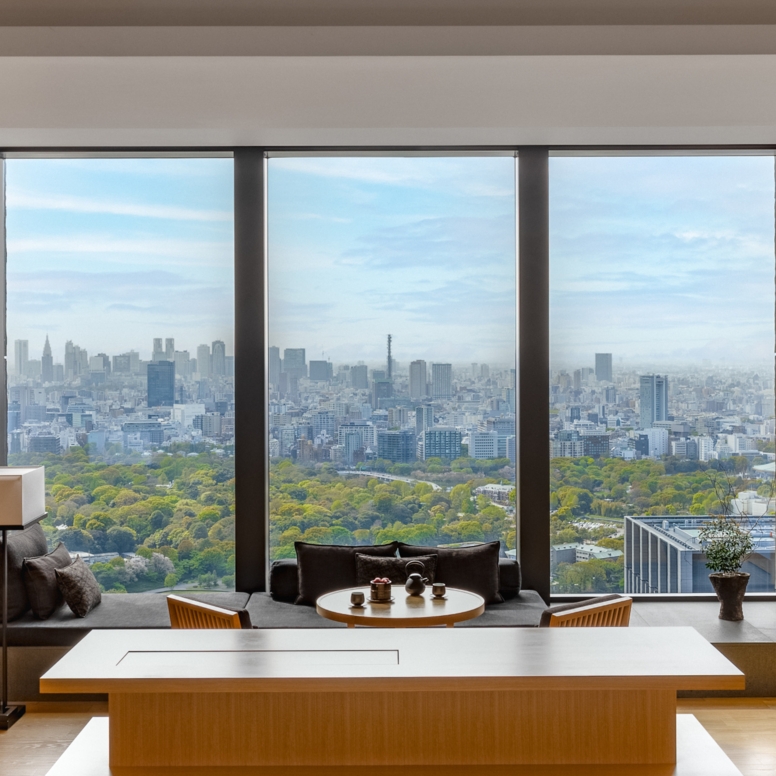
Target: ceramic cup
x=438, y=589
x=357, y=598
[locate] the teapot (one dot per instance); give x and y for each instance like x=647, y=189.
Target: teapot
x=416, y=582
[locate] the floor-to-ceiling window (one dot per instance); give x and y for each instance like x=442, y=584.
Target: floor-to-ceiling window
x=662, y=372
x=121, y=361
x=391, y=360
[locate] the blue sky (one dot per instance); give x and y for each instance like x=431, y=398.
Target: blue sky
x=662, y=261
x=421, y=248
x=114, y=252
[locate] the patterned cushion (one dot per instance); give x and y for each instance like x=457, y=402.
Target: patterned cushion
x=79, y=587
x=368, y=567
x=40, y=581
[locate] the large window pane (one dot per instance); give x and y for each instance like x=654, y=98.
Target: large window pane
x=120, y=355
x=409, y=256
x=662, y=332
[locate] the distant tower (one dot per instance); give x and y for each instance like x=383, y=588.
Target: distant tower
x=169, y=349
x=653, y=391
x=21, y=356
x=47, y=364
x=390, y=361
x=603, y=367
x=157, y=354
x=418, y=379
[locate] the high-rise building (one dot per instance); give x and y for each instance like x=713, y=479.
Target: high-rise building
x=47, y=363
x=381, y=389
x=182, y=362
x=76, y=361
x=442, y=442
x=21, y=351
x=274, y=366
x=442, y=381
x=424, y=418
x=321, y=370
x=396, y=446
x=654, y=399
x=161, y=383
x=484, y=371
x=203, y=360
x=577, y=379
x=157, y=353
x=169, y=349
x=603, y=367
x=483, y=444
x=218, y=359
x=418, y=379
x=294, y=362
x=389, y=362
x=358, y=377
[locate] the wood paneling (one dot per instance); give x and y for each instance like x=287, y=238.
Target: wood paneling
x=485, y=728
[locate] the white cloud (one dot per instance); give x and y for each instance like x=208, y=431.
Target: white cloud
x=25, y=201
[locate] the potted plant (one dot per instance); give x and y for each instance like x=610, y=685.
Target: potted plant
x=727, y=546
x=727, y=541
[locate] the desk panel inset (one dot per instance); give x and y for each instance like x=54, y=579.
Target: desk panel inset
x=248, y=662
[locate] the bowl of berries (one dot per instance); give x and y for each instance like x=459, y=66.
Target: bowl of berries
x=380, y=590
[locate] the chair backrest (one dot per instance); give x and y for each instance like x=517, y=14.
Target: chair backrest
x=611, y=613
x=185, y=613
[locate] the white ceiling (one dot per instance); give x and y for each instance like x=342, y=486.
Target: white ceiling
x=297, y=86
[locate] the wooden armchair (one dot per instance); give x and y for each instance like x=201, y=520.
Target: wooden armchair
x=185, y=613
x=608, y=611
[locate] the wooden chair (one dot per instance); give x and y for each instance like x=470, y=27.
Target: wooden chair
x=185, y=613
x=609, y=611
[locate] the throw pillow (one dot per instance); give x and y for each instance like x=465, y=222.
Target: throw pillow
x=324, y=568
x=469, y=568
x=370, y=566
x=79, y=587
x=28, y=543
x=40, y=581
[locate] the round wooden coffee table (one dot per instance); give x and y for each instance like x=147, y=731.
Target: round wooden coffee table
x=407, y=611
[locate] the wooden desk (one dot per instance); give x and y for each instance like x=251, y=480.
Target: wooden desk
x=406, y=611
x=446, y=697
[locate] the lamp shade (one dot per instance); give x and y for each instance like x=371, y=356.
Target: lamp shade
x=22, y=495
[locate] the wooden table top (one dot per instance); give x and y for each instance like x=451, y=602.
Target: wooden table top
x=407, y=611
x=362, y=659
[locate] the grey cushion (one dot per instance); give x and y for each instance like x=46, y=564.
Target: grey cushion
x=522, y=611
x=29, y=543
x=324, y=568
x=133, y=611
x=369, y=566
x=475, y=569
x=79, y=587
x=558, y=608
x=40, y=580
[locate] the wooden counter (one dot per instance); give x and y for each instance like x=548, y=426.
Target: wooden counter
x=392, y=697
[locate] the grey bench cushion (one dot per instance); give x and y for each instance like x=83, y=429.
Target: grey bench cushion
x=522, y=611
x=139, y=610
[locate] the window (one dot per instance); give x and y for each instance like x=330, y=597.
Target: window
x=121, y=361
x=662, y=331
x=392, y=350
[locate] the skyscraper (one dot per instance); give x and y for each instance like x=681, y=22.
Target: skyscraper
x=21, y=351
x=161, y=383
x=603, y=367
x=424, y=418
x=218, y=358
x=358, y=376
x=169, y=349
x=442, y=381
x=294, y=362
x=418, y=379
x=274, y=366
x=654, y=399
x=157, y=354
x=389, y=371
x=321, y=370
x=47, y=363
x=203, y=360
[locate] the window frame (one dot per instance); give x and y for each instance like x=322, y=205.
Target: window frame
x=251, y=334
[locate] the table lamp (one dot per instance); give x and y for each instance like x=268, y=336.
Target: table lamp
x=22, y=503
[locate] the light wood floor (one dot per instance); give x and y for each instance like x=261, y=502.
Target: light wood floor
x=744, y=727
